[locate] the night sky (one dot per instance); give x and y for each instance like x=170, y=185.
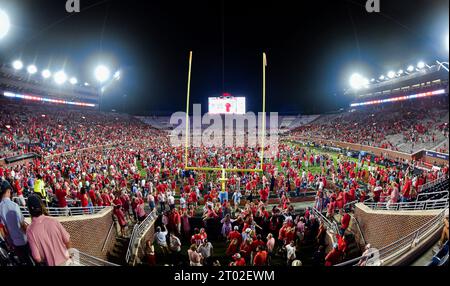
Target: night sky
x=312, y=47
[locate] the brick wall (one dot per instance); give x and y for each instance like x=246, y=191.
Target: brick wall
x=381, y=228
x=89, y=234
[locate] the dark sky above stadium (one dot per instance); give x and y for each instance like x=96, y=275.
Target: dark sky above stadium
x=313, y=46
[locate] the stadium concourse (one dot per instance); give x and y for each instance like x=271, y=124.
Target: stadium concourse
x=299, y=211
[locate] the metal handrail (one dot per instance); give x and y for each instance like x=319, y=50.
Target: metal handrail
x=410, y=206
x=131, y=243
x=404, y=244
x=72, y=211
x=359, y=229
x=137, y=234
x=330, y=225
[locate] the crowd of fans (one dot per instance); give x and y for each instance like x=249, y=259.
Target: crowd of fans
x=399, y=127
x=133, y=168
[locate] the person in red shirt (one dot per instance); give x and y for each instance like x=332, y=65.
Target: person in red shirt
x=238, y=260
x=342, y=244
x=264, y=194
x=260, y=258
x=333, y=257
x=61, y=196
x=83, y=198
x=345, y=221
x=235, y=234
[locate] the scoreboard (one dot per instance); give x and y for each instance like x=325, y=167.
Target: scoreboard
x=226, y=105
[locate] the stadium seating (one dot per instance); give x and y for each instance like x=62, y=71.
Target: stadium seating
x=407, y=128
x=435, y=192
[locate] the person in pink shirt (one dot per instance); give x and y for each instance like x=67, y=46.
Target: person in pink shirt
x=49, y=241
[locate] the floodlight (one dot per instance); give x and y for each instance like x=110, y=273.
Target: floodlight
x=410, y=68
x=382, y=77
x=32, y=69
x=356, y=81
x=391, y=74
x=102, y=73
x=60, y=77
x=4, y=24
x=421, y=65
x=17, y=65
x=73, y=80
x=46, y=74
x=400, y=72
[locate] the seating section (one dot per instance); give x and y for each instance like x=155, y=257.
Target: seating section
x=408, y=127
x=435, y=192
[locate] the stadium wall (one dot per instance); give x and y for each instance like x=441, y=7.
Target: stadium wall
x=388, y=154
x=91, y=234
x=381, y=228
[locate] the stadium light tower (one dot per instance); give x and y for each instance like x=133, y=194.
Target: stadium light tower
x=60, y=77
x=102, y=73
x=46, y=74
x=73, y=81
x=410, y=68
x=4, y=24
x=421, y=65
x=357, y=81
x=32, y=69
x=17, y=65
x=391, y=74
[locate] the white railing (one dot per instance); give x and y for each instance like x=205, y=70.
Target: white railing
x=138, y=233
x=331, y=225
x=410, y=206
x=60, y=212
x=400, y=247
x=432, y=183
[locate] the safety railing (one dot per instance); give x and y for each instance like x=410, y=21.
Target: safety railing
x=61, y=212
x=137, y=235
x=331, y=225
x=361, y=234
x=400, y=247
x=410, y=206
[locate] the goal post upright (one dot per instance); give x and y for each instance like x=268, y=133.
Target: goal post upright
x=187, y=110
x=223, y=178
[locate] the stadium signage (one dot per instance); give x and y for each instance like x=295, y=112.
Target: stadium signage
x=436, y=155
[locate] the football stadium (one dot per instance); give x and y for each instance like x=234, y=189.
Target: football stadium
x=217, y=133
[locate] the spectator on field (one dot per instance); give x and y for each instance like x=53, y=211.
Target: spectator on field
x=160, y=238
x=195, y=258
